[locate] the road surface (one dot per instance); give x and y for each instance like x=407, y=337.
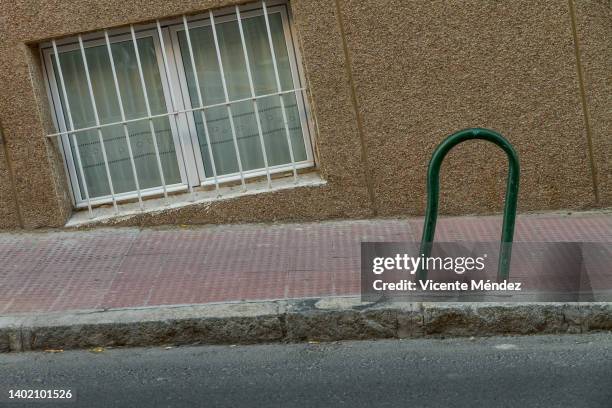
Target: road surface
x=541, y=371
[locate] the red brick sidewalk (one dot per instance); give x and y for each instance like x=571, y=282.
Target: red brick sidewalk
x=109, y=268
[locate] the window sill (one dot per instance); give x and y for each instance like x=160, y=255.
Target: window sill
x=127, y=210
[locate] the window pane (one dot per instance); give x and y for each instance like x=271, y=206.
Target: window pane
x=260, y=58
x=235, y=71
x=221, y=140
x=108, y=110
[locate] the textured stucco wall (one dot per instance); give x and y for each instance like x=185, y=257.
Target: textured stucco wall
x=423, y=69
x=9, y=217
x=388, y=80
x=594, y=32
x=39, y=181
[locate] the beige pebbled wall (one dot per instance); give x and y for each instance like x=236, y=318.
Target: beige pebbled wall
x=594, y=32
x=423, y=69
x=9, y=215
x=387, y=81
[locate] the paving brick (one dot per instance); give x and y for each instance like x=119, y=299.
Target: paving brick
x=111, y=268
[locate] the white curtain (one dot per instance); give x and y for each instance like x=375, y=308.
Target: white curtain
x=133, y=101
x=235, y=72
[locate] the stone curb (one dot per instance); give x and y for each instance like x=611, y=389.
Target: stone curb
x=322, y=319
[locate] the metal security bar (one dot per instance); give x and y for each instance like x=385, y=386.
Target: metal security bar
x=176, y=112
x=97, y=119
x=200, y=101
x=252, y=90
x=179, y=107
x=227, y=104
x=71, y=127
x=126, y=131
x=148, y=107
x=280, y=90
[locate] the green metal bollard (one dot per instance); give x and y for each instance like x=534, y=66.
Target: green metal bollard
x=433, y=192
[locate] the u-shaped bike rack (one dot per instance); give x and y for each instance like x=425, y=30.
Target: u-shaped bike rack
x=433, y=192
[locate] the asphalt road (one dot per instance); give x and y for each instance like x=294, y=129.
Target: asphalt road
x=542, y=371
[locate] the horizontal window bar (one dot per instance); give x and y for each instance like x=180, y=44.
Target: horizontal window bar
x=279, y=168
x=177, y=188
x=133, y=195
x=177, y=112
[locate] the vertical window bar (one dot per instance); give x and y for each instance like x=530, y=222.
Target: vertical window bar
x=278, y=85
x=71, y=126
x=252, y=88
x=148, y=107
x=97, y=119
x=122, y=111
x=201, y=102
x=173, y=101
x=229, y=108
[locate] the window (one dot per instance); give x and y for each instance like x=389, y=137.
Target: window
x=173, y=105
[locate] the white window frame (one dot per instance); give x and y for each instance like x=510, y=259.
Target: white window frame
x=53, y=88
x=202, y=21
x=180, y=110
